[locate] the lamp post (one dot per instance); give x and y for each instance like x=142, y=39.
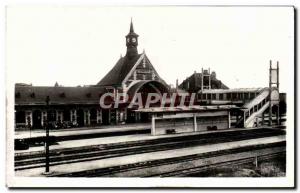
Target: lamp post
x=47, y=138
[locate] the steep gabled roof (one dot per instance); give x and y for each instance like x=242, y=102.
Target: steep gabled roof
x=118, y=73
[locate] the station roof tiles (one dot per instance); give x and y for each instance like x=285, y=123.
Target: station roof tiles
x=118, y=73
x=36, y=95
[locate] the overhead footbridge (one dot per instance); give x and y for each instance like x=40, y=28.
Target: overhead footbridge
x=253, y=112
x=236, y=96
x=253, y=103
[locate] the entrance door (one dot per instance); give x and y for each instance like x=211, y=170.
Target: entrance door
x=105, y=116
x=93, y=116
x=37, y=119
x=80, y=118
x=130, y=116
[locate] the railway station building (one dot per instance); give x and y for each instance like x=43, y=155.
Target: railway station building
x=79, y=106
x=63, y=107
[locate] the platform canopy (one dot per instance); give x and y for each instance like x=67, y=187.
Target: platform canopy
x=233, y=90
x=182, y=109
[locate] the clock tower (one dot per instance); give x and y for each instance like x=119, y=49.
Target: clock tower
x=131, y=42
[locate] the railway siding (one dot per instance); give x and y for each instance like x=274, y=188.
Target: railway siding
x=145, y=157
x=123, y=149
x=182, y=168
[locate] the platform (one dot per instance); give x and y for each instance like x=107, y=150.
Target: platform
x=130, y=159
x=118, y=139
x=82, y=130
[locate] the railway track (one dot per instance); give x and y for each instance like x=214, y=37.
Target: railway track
x=64, y=156
x=111, y=171
x=242, y=161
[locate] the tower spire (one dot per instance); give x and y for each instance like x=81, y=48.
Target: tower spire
x=131, y=42
x=131, y=27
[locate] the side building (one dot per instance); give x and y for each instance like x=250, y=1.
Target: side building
x=202, y=81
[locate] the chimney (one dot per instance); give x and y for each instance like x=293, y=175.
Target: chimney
x=213, y=74
x=176, y=84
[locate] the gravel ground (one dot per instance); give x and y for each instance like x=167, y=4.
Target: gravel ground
x=271, y=168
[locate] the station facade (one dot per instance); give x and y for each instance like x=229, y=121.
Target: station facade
x=79, y=106
x=63, y=107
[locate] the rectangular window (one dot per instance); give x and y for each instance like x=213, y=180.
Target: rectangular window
x=225, y=96
x=199, y=96
x=233, y=96
x=221, y=96
x=213, y=96
x=208, y=96
x=228, y=96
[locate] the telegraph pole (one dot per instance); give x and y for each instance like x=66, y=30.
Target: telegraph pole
x=47, y=171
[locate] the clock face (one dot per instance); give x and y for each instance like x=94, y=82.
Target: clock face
x=133, y=40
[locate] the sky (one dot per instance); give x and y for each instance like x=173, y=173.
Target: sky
x=78, y=45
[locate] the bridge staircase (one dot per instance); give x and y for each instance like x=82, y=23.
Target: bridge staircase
x=254, y=110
